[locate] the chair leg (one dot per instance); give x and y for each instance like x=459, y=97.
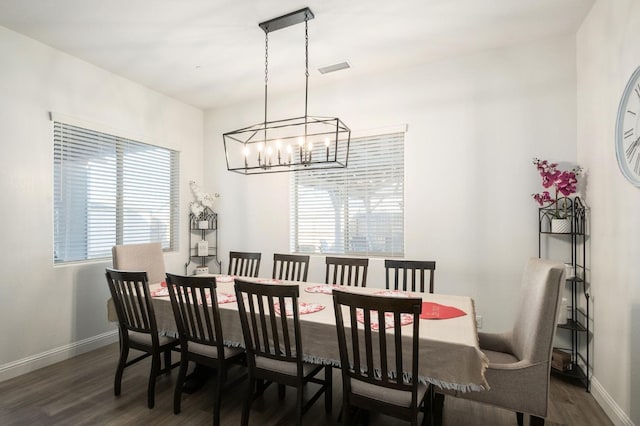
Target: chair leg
x=117, y=385
x=520, y=418
x=345, y=412
x=217, y=400
x=177, y=394
x=299, y=404
x=427, y=406
x=438, y=408
x=282, y=391
x=246, y=407
x=260, y=387
x=155, y=369
x=167, y=360
x=536, y=421
x=328, y=393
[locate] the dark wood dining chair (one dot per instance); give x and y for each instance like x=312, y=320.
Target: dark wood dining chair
x=195, y=308
x=273, y=344
x=291, y=267
x=244, y=264
x=409, y=275
x=138, y=328
x=377, y=374
x=349, y=271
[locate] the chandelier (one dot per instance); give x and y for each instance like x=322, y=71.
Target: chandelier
x=299, y=143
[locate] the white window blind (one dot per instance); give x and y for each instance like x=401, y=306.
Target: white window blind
x=358, y=210
x=110, y=190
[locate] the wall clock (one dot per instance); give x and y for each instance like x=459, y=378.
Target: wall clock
x=628, y=130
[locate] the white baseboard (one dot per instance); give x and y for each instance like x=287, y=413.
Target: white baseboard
x=34, y=362
x=610, y=407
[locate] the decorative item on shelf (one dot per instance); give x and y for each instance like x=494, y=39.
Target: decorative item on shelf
x=202, y=215
x=203, y=248
x=560, y=360
x=557, y=208
x=300, y=143
x=201, y=269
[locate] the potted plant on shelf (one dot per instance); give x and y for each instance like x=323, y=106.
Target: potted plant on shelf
x=202, y=208
x=563, y=182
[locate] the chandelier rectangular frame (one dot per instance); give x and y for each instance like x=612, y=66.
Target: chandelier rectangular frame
x=292, y=144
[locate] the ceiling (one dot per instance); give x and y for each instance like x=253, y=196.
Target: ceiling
x=211, y=53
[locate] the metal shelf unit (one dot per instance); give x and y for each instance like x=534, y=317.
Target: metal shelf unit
x=203, y=228
x=578, y=326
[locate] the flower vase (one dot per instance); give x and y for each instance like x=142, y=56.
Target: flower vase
x=560, y=226
x=203, y=224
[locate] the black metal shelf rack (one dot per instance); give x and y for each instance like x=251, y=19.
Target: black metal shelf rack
x=578, y=325
x=203, y=227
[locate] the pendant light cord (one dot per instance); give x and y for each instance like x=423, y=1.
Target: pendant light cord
x=306, y=63
x=266, y=75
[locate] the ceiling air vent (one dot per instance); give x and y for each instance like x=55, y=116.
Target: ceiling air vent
x=334, y=67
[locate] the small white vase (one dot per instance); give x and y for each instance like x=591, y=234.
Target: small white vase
x=560, y=226
x=203, y=224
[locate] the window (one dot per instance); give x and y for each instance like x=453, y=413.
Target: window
x=110, y=190
x=358, y=210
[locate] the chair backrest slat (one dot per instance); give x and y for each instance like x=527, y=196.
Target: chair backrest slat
x=290, y=267
x=389, y=340
x=264, y=334
x=244, y=264
x=354, y=269
x=409, y=275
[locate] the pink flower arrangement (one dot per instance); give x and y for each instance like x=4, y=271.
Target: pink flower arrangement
x=562, y=181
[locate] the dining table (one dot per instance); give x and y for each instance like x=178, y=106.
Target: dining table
x=450, y=356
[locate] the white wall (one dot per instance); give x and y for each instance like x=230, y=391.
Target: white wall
x=608, y=51
x=475, y=123
x=46, y=311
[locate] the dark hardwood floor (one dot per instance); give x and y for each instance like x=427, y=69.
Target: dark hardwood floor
x=79, y=391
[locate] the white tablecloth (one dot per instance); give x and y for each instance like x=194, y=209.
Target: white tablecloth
x=449, y=353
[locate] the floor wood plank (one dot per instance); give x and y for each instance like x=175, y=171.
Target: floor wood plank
x=79, y=391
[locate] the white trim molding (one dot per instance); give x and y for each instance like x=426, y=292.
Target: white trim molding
x=610, y=407
x=43, y=359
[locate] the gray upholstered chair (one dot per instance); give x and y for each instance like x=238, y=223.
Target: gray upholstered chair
x=147, y=257
x=520, y=359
